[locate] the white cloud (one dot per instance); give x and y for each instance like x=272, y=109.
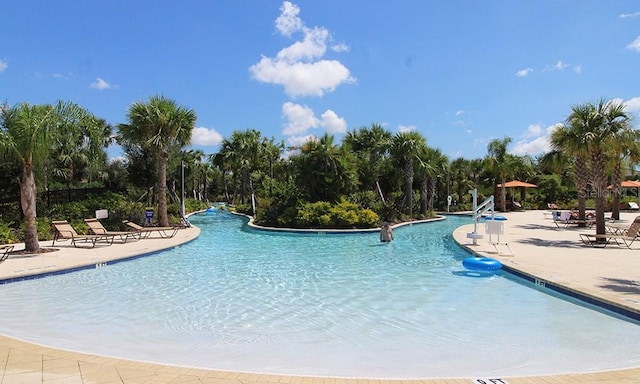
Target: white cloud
x=633, y=104
x=296, y=141
x=340, y=48
x=560, y=65
x=628, y=15
x=634, y=45
x=535, y=141
x=3, y=65
x=288, y=22
x=299, y=119
x=533, y=131
x=406, y=128
x=332, y=122
x=577, y=69
x=205, y=136
x=100, y=84
x=311, y=47
x=300, y=67
x=460, y=112
x=524, y=72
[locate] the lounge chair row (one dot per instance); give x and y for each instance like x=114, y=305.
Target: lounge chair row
x=615, y=233
x=64, y=231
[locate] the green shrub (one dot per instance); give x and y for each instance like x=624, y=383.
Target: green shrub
x=43, y=227
x=368, y=218
x=345, y=214
x=7, y=234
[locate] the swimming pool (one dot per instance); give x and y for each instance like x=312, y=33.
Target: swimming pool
x=329, y=305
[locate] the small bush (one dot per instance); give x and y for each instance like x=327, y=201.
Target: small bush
x=345, y=214
x=7, y=234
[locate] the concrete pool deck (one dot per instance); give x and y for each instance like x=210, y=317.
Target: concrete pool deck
x=541, y=250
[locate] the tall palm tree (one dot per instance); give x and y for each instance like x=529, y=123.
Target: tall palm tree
x=159, y=125
x=26, y=133
x=569, y=141
x=498, y=161
x=623, y=148
x=371, y=145
x=406, y=147
x=598, y=123
x=431, y=165
x=325, y=170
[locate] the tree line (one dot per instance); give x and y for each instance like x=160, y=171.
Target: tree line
x=371, y=175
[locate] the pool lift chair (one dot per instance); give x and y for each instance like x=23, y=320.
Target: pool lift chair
x=493, y=225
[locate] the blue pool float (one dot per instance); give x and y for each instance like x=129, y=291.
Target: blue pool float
x=496, y=218
x=481, y=264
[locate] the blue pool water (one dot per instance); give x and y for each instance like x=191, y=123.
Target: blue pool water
x=330, y=305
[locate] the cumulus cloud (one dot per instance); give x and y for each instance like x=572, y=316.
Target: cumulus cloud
x=205, y=136
x=524, y=72
x=300, y=67
x=634, y=45
x=535, y=140
x=100, y=84
x=288, y=22
x=332, y=122
x=300, y=118
x=3, y=65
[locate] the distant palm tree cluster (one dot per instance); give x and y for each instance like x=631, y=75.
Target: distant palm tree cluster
x=398, y=176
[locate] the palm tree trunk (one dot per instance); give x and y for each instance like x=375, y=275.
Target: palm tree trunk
x=163, y=217
x=28, y=202
x=581, y=177
x=503, y=195
x=424, y=193
x=408, y=184
x=600, y=184
x=617, y=191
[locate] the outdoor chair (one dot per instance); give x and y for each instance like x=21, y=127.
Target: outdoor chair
x=96, y=228
x=64, y=231
x=618, y=235
x=567, y=218
x=145, y=232
x=5, y=251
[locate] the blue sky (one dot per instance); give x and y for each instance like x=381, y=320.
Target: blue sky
x=459, y=72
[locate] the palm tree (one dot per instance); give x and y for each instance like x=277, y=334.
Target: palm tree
x=406, y=147
x=324, y=169
x=159, y=125
x=624, y=147
x=598, y=123
x=431, y=165
x=27, y=131
x=498, y=161
x=569, y=142
x=371, y=146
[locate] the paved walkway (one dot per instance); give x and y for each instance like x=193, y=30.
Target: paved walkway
x=540, y=249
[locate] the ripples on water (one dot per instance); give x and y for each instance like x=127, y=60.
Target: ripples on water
x=339, y=305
